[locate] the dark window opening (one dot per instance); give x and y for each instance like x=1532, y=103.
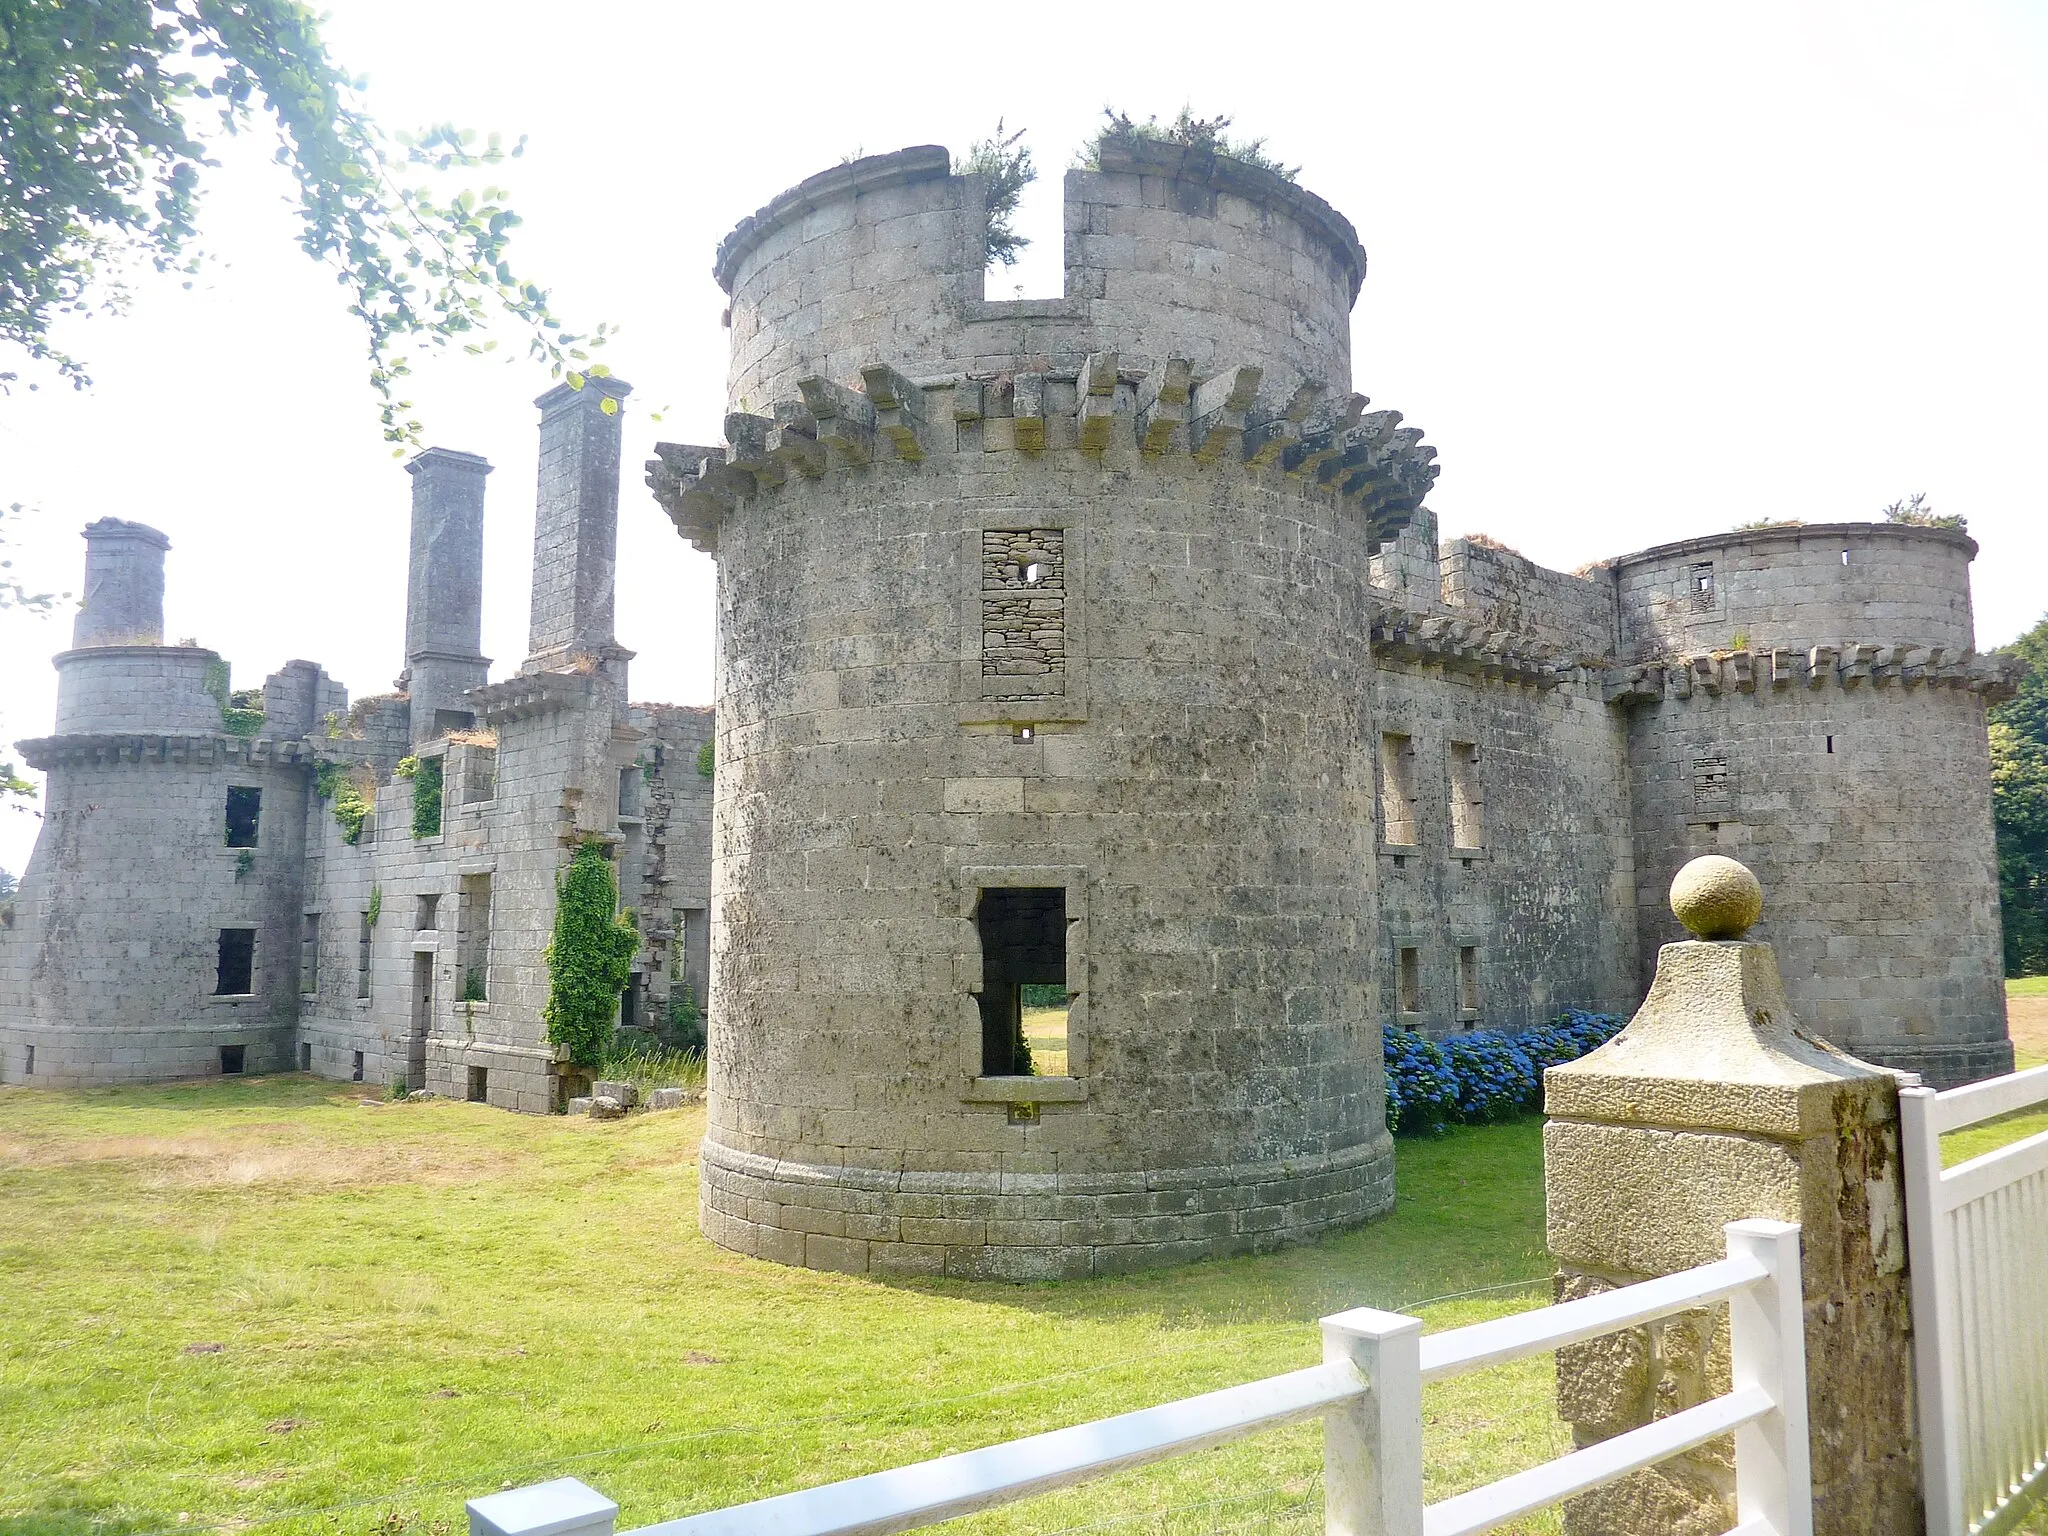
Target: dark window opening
x=305, y=1057
x=356, y=1071
x=446, y=720
x=629, y=1003
x=479, y=1085
x=1023, y=948
x=428, y=913
x=31, y=1061
x=231, y=1059
x=1831, y=745
x=245, y=808
x=1410, y=981
x=237, y=970
x=363, y=959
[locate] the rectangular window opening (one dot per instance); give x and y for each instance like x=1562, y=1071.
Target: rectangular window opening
x=1410, y=980
x=309, y=955
x=363, y=958
x=1468, y=979
x=1711, y=790
x=305, y=1056
x=1831, y=746
x=422, y=1018
x=480, y=775
x=1700, y=583
x=632, y=782
x=629, y=1003
x=427, y=915
x=245, y=807
x=31, y=1061
x=356, y=1071
x=1024, y=998
x=473, y=941
x=1466, y=798
x=231, y=1057
x=479, y=1085
x=236, y=972
x=1397, y=790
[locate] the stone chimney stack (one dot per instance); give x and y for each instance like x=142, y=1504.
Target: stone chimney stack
x=576, y=523
x=124, y=586
x=444, y=595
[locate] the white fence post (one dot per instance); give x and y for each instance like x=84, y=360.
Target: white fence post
x=1767, y=1349
x=564, y=1507
x=1372, y=1447
x=1931, y=1269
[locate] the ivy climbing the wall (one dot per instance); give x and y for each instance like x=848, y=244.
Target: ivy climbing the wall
x=425, y=773
x=241, y=712
x=707, y=762
x=352, y=801
x=589, y=958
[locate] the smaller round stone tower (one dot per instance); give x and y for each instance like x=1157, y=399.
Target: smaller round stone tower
x=155, y=933
x=1815, y=708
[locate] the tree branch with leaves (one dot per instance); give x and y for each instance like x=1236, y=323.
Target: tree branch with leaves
x=101, y=162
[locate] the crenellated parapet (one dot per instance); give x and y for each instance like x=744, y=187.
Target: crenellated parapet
x=1321, y=440
x=199, y=750
x=1460, y=645
x=1849, y=665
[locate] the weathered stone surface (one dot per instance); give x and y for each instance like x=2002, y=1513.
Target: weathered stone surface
x=605, y=1107
x=1716, y=898
x=667, y=1098
x=580, y=1105
x=1714, y=1106
x=627, y=1094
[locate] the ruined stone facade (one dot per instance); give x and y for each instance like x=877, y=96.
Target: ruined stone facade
x=1104, y=643
x=195, y=904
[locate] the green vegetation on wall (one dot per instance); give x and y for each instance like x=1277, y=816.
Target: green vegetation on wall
x=1203, y=133
x=589, y=958
x=707, y=760
x=353, y=801
x=2019, y=808
x=426, y=796
x=241, y=711
x=1006, y=162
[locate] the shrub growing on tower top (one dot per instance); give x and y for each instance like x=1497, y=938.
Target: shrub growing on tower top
x=1187, y=129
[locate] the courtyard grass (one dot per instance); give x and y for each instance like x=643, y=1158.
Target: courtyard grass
x=265, y=1304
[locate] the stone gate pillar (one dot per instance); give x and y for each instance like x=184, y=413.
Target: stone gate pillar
x=1714, y=1104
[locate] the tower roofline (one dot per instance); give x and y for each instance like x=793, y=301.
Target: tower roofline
x=1793, y=533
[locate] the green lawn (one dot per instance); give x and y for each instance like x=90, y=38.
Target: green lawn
x=2026, y=986
x=263, y=1304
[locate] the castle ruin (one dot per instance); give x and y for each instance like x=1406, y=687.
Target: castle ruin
x=1100, y=645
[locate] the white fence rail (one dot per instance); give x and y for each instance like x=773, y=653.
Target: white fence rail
x=1977, y=1238
x=1368, y=1393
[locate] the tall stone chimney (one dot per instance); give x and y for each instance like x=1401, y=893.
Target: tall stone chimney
x=444, y=594
x=576, y=523
x=124, y=586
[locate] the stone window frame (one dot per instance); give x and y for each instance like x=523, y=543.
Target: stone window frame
x=1066, y=708
x=1394, y=730
x=970, y=880
x=1461, y=946
x=1408, y=1018
x=1465, y=798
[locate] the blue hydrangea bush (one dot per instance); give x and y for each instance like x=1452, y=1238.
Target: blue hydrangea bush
x=1483, y=1074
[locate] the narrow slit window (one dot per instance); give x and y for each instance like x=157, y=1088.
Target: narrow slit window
x=1023, y=998
x=1397, y=790
x=356, y=1069
x=473, y=922
x=1410, y=980
x=363, y=958
x=309, y=955
x=1466, y=799
x=479, y=1085
x=235, y=972
x=305, y=1056
x=245, y=807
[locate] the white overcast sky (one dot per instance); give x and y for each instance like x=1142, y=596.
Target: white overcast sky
x=1639, y=271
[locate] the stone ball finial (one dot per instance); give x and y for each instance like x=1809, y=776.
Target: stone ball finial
x=1716, y=897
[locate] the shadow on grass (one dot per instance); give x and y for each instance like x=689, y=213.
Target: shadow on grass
x=1468, y=1216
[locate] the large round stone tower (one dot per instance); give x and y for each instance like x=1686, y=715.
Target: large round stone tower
x=1043, y=642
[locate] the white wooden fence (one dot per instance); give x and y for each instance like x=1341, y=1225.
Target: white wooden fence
x=1368, y=1393
x=1977, y=1240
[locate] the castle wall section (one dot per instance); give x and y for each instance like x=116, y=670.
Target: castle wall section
x=1570, y=616
x=1535, y=913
